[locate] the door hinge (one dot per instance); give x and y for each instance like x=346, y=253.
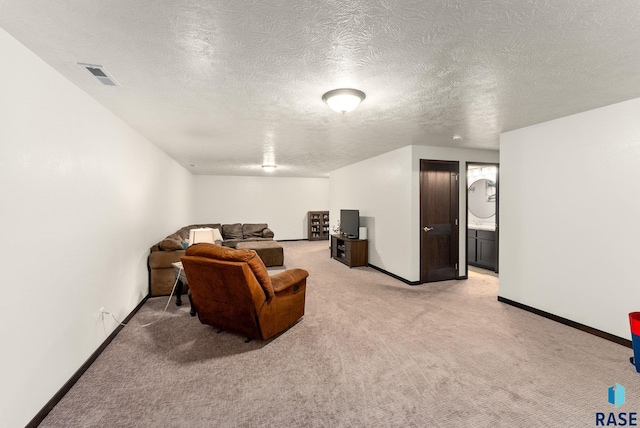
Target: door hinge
x=456, y=222
x=456, y=267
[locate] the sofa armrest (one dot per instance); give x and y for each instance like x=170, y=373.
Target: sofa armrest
x=164, y=259
x=287, y=279
x=267, y=233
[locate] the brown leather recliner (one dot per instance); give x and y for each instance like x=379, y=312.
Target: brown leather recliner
x=231, y=289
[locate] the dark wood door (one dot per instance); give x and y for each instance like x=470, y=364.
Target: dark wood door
x=438, y=220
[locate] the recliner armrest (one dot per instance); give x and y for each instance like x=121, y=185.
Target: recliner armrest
x=288, y=278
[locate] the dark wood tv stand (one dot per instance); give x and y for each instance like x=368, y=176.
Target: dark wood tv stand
x=350, y=251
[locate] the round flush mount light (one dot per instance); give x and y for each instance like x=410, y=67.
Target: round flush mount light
x=343, y=100
x=269, y=168
x=457, y=137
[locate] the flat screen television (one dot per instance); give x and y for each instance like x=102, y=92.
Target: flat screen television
x=350, y=223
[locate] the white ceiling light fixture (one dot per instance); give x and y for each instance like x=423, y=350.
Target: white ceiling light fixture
x=269, y=168
x=343, y=100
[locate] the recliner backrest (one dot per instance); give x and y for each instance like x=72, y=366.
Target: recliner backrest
x=250, y=257
x=225, y=293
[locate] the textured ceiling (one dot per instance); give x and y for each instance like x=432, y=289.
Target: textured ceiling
x=226, y=84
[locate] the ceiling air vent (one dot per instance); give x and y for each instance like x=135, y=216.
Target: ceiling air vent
x=100, y=73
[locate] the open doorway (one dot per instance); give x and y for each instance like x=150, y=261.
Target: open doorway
x=483, y=200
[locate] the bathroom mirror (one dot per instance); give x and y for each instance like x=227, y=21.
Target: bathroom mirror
x=482, y=198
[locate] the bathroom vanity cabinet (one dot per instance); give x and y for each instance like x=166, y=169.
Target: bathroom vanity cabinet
x=481, y=248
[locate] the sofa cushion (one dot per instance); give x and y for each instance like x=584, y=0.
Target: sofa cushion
x=250, y=257
x=234, y=242
x=268, y=233
x=171, y=243
x=200, y=226
x=183, y=233
x=253, y=230
x=232, y=231
x=164, y=259
x=269, y=251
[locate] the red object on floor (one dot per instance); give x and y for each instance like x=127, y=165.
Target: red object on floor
x=634, y=320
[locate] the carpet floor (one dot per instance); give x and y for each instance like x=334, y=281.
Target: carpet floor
x=370, y=351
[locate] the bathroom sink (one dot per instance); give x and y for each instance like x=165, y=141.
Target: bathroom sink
x=482, y=226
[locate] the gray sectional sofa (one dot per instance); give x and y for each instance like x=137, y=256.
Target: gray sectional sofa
x=172, y=248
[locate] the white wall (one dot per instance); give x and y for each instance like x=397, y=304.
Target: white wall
x=83, y=198
x=280, y=202
x=380, y=188
x=569, y=215
x=386, y=190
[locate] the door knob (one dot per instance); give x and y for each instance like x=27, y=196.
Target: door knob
x=426, y=228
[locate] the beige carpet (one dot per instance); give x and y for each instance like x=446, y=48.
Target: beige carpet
x=370, y=352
